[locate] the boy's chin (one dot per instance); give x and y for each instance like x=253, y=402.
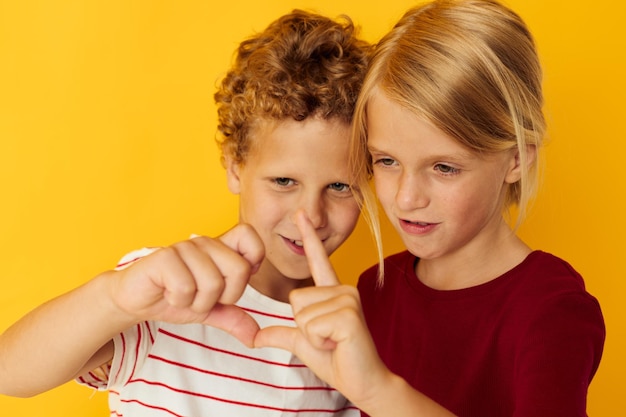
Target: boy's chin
x=299, y=277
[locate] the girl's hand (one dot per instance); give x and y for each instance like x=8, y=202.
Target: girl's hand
x=194, y=281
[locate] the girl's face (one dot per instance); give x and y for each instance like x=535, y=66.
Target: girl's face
x=295, y=166
x=442, y=198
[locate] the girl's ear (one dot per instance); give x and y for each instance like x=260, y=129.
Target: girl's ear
x=517, y=165
x=233, y=179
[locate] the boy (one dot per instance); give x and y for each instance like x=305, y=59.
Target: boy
x=284, y=116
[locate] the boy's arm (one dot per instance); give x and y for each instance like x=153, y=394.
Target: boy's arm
x=195, y=281
x=53, y=343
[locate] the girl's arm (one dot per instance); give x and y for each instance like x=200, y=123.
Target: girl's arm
x=332, y=339
x=195, y=281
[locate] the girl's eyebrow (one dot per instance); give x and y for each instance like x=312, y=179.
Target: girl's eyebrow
x=373, y=149
x=455, y=156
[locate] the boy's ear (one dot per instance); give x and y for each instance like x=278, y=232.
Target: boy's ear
x=515, y=168
x=232, y=175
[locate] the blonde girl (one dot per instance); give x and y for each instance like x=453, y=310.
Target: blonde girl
x=469, y=320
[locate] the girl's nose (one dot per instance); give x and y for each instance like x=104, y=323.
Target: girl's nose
x=411, y=193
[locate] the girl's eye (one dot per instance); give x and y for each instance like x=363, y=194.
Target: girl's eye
x=446, y=169
x=339, y=186
x=385, y=161
x=283, y=182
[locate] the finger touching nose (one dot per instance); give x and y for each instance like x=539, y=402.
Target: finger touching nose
x=315, y=212
x=317, y=258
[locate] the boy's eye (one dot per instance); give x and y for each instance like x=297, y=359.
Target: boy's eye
x=283, y=182
x=446, y=169
x=339, y=186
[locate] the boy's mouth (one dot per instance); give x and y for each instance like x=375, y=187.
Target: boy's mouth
x=297, y=242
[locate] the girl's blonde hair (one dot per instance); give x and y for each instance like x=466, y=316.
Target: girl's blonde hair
x=470, y=67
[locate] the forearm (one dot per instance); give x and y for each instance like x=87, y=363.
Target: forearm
x=51, y=344
x=395, y=396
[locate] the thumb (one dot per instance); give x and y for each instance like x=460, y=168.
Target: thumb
x=235, y=321
x=278, y=337
x=246, y=241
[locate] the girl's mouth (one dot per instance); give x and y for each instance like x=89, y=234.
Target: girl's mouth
x=417, y=228
x=423, y=224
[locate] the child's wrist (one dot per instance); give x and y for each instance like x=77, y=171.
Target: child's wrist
x=393, y=393
x=105, y=284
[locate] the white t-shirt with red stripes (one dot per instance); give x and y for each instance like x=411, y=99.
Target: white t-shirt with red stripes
x=194, y=370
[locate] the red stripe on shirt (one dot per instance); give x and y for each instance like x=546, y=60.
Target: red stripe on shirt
x=88, y=383
x=238, y=378
x=226, y=352
x=262, y=313
x=139, y=337
x=153, y=407
x=265, y=407
x=123, y=264
x=117, y=375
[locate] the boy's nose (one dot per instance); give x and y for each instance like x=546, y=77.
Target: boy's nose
x=315, y=209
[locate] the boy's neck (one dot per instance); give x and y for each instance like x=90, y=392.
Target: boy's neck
x=271, y=283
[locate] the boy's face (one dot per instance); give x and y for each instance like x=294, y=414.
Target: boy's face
x=291, y=166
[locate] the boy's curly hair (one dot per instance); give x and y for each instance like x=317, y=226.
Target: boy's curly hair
x=302, y=65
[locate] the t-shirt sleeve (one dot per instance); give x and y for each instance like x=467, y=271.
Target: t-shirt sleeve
x=560, y=354
x=131, y=346
x=97, y=378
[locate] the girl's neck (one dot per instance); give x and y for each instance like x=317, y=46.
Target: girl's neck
x=474, y=264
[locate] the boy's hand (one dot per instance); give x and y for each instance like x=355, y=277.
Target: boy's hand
x=331, y=336
x=194, y=281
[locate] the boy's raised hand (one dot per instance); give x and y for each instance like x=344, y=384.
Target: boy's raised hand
x=194, y=281
x=331, y=336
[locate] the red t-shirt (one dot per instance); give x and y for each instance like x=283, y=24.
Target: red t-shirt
x=526, y=344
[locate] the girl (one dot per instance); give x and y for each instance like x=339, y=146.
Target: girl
x=469, y=321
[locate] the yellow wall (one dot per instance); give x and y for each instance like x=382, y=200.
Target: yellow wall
x=106, y=145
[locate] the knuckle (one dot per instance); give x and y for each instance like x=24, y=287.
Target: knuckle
x=352, y=299
x=201, y=242
x=240, y=268
x=166, y=252
x=214, y=285
x=184, y=288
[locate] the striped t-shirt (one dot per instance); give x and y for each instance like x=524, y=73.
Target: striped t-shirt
x=162, y=369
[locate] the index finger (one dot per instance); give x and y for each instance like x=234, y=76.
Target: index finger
x=317, y=258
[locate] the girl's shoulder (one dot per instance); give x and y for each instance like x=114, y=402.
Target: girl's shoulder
x=544, y=268
x=393, y=263
x=544, y=279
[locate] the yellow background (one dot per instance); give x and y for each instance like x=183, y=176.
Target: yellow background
x=107, y=128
